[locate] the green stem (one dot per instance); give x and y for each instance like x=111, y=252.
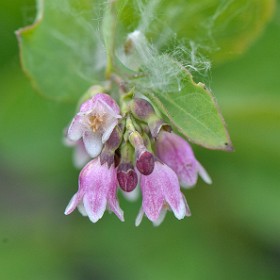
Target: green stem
x=109, y=30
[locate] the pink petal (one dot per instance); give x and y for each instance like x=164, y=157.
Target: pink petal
x=93, y=180
x=84, y=182
x=93, y=143
x=187, y=174
x=139, y=217
x=82, y=209
x=203, y=174
x=72, y=204
x=103, y=108
x=112, y=193
x=171, y=191
x=101, y=185
x=188, y=211
x=108, y=100
x=76, y=128
x=115, y=207
x=95, y=204
x=153, y=198
x=177, y=154
x=87, y=105
x=108, y=130
x=87, y=175
x=80, y=155
x=161, y=217
x=179, y=208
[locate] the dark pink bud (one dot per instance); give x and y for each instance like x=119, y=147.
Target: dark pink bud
x=127, y=177
x=145, y=162
x=142, y=109
x=108, y=152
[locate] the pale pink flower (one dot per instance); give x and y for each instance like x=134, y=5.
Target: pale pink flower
x=177, y=154
x=97, y=191
x=94, y=123
x=160, y=192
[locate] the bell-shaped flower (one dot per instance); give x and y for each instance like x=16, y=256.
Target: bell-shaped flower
x=177, y=154
x=97, y=191
x=94, y=123
x=160, y=192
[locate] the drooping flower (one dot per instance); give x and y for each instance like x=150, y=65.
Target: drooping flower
x=124, y=157
x=160, y=192
x=94, y=123
x=97, y=191
x=177, y=154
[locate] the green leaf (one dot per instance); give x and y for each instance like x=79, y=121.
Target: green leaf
x=205, y=126
x=61, y=52
x=221, y=30
x=190, y=107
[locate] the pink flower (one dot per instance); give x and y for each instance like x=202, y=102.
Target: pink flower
x=97, y=190
x=161, y=191
x=94, y=123
x=177, y=154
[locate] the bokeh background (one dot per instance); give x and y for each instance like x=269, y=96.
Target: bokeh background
x=234, y=231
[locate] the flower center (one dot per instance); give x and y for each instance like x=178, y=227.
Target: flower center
x=95, y=121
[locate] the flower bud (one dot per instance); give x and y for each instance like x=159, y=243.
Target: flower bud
x=142, y=110
x=144, y=159
x=145, y=162
x=108, y=152
x=127, y=177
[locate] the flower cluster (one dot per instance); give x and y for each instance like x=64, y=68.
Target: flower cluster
x=124, y=149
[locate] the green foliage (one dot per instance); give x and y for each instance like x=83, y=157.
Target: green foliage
x=190, y=107
x=193, y=111
x=60, y=52
x=64, y=52
x=221, y=30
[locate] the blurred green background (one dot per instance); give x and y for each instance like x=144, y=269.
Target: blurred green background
x=234, y=231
